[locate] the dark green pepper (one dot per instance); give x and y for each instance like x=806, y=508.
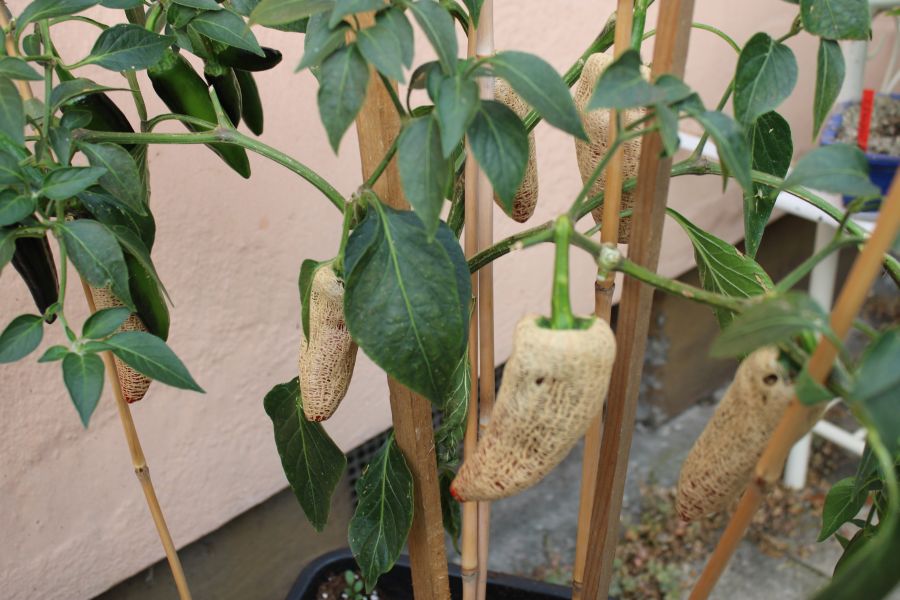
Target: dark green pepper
x=148, y=298
x=33, y=260
x=180, y=87
x=251, y=106
x=105, y=114
x=244, y=60
x=223, y=80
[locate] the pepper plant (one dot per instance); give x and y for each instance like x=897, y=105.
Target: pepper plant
x=73, y=168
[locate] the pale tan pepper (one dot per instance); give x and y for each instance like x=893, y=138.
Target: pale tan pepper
x=526, y=197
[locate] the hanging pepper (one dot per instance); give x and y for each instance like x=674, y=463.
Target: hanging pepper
x=223, y=80
x=180, y=87
x=553, y=387
x=105, y=114
x=526, y=196
x=33, y=260
x=239, y=58
x=251, y=106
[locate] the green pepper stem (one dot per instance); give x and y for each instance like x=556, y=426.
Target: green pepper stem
x=561, y=316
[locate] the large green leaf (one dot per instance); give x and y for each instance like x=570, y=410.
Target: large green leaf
x=69, y=90
x=730, y=142
x=500, y=143
x=97, y=256
x=474, y=7
x=407, y=299
x=113, y=213
x=836, y=19
x=540, y=86
x=342, y=90
x=7, y=245
x=455, y=107
x=842, y=503
x=226, y=27
x=65, y=182
x=425, y=173
x=127, y=47
x=771, y=148
x=12, y=113
x=307, y=272
x=320, y=41
x=772, y=321
x=21, y=337
x=281, y=12
x=837, y=168
x=449, y=435
x=381, y=46
x=104, y=322
x=345, y=8
x=14, y=207
x=622, y=86
x=877, y=387
x=312, y=462
x=383, y=517
x=16, y=68
x=829, y=78
x=83, y=376
x=766, y=74
x=722, y=268
x=437, y=24
x=121, y=179
x=47, y=9
x=148, y=354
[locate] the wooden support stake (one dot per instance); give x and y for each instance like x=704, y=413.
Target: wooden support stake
x=377, y=125
x=603, y=295
x=799, y=418
x=670, y=53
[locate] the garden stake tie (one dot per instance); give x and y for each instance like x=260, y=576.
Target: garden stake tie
x=131, y=436
x=669, y=54
x=377, y=125
x=799, y=418
x=603, y=295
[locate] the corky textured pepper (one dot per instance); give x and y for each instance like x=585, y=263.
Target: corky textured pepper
x=327, y=358
x=526, y=197
x=134, y=385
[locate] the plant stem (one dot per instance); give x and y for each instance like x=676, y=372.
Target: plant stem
x=385, y=160
x=698, y=151
x=63, y=268
x=794, y=277
x=349, y=210
x=561, y=316
x=48, y=88
x=638, y=21
x=725, y=37
x=504, y=246
x=138, y=97
x=395, y=99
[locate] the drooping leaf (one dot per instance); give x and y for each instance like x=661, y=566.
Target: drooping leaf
x=424, y=172
x=69, y=90
x=104, y=322
x=112, y=212
x=730, y=142
x=395, y=21
x=21, y=337
x=836, y=168
x=836, y=19
x=227, y=27
x=342, y=90
x=449, y=435
x=766, y=74
x=97, y=256
x=83, y=376
x=474, y=7
x=541, y=87
x=54, y=353
x=126, y=47
x=135, y=249
x=47, y=9
x=121, y=179
x=16, y=68
x=383, y=517
x=771, y=148
x=7, y=245
x=307, y=272
x=500, y=143
x=877, y=387
x=829, y=78
x=455, y=107
x=14, y=207
x=281, y=12
x=344, y=8
x=667, y=119
x=320, y=41
x=451, y=510
x=437, y=24
x=148, y=354
x=12, y=113
x=622, y=86
x=312, y=462
x=406, y=299
x=381, y=47
x=65, y=182
x=842, y=503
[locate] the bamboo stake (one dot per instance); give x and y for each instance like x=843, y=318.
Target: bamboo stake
x=603, y=294
x=799, y=418
x=469, y=560
x=669, y=56
x=377, y=125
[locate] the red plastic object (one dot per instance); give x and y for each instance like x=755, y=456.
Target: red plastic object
x=865, y=119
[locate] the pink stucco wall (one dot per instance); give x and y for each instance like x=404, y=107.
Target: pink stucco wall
x=74, y=521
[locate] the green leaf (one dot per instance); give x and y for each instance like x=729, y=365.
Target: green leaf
x=307, y=272
x=451, y=510
x=69, y=90
x=540, y=86
x=771, y=148
x=21, y=337
x=836, y=19
x=16, y=68
x=320, y=41
x=97, y=256
x=344, y=8
x=877, y=385
x=407, y=299
x=282, y=12
x=474, y=7
x=722, y=268
x=311, y=461
x=135, y=248
x=772, y=321
x=10, y=173
x=836, y=168
x=148, y=354
x=381, y=47
x=227, y=27
x=201, y=4
x=383, y=517
x=65, y=182
x=83, y=375
x=455, y=107
x=112, y=212
x=47, y=9
x=623, y=86
x=121, y=179
x=342, y=91
x=500, y=143
x=440, y=31
x=126, y=47
x=7, y=245
x=829, y=79
x=730, y=142
x=449, y=435
x=667, y=119
x=766, y=74
x=12, y=113
x=104, y=322
x=395, y=21
x=14, y=208
x=424, y=172
x=842, y=503
x=53, y=354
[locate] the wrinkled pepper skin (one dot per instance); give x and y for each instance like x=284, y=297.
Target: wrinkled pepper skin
x=251, y=105
x=238, y=58
x=180, y=87
x=33, y=260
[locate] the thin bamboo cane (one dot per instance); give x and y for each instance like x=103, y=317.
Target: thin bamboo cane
x=484, y=46
x=669, y=56
x=139, y=462
x=469, y=560
x=798, y=419
x=603, y=295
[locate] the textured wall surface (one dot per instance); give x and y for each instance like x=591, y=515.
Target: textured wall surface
x=74, y=520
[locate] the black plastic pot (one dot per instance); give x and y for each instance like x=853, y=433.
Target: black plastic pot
x=397, y=584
